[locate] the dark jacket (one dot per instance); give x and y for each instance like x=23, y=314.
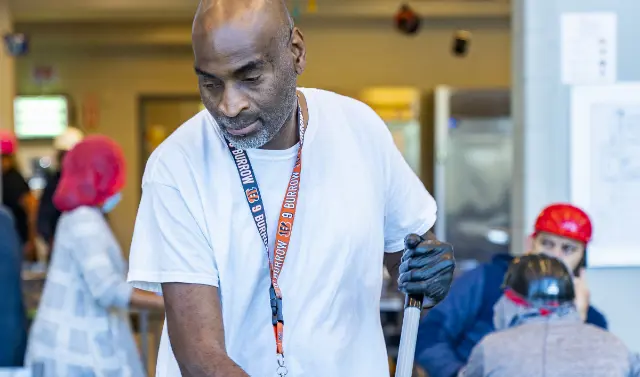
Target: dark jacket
x=13, y=319
x=14, y=190
x=448, y=333
x=48, y=214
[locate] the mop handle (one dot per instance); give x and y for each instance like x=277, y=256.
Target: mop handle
x=412, y=309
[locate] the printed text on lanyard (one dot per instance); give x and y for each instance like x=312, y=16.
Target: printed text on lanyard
x=283, y=233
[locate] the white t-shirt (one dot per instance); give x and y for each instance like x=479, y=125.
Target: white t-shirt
x=358, y=198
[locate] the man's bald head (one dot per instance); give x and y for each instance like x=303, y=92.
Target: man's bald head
x=248, y=55
x=272, y=15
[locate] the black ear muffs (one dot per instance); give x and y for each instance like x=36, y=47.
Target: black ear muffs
x=406, y=20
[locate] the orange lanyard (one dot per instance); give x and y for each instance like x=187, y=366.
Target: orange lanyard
x=283, y=233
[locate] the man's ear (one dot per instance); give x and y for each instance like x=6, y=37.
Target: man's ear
x=299, y=51
x=528, y=246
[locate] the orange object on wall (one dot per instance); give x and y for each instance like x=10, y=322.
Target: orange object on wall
x=90, y=112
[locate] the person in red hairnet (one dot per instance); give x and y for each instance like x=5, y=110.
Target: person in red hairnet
x=448, y=332
x=82, y=325
x=17, y=196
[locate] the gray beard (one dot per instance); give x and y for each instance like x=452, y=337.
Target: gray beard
x=255, y=140
x=271, y=126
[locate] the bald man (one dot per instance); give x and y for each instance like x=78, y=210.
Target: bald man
x=270, y=172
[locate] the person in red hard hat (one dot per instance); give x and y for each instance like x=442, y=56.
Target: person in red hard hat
x=449, y=331
x=563, y=231
x=17, y=196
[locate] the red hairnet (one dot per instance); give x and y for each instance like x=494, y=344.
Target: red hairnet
x=8, y=142
x=92, y=171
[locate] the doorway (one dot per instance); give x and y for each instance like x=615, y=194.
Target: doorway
x=473, y=172
x=160, y=116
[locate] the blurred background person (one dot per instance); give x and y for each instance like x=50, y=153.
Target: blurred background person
x=540, y=332
x=48, y=214
x=449, y=331
x=17, y=196
x=13, y=320
x=82, y=324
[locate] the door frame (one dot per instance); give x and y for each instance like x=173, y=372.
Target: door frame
x=142, y=135
x=463, y=103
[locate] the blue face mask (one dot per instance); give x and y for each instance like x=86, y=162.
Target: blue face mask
x=111, y=202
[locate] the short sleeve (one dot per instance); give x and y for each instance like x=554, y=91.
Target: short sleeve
x=409, y=207
x=169, y=244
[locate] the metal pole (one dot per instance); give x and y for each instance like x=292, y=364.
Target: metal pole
x=412, y=309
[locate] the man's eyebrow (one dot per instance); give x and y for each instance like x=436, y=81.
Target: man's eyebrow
x=251, y=66
x=204, y=74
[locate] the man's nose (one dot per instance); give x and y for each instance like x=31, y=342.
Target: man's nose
x=552, y=252
x=556, y=251
x=233, y=102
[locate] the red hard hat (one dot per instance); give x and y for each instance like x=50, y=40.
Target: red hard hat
x=8, y=142
x=564, y=220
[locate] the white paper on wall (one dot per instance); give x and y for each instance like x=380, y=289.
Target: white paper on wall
x=589, y=48
x=605, y=169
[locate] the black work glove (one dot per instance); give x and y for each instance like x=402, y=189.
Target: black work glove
x=426, y=269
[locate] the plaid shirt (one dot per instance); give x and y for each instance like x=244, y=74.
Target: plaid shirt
x=82, y=328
